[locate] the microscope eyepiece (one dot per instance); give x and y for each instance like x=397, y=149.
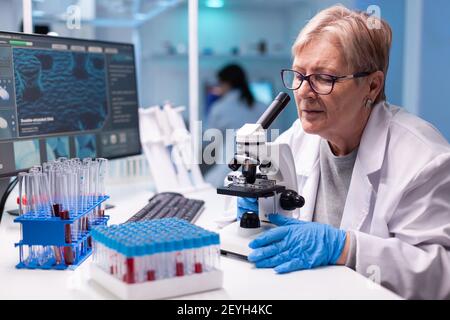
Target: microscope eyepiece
x=272, y=112
x=265, y=121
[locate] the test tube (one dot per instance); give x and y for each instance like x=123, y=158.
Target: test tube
x=102, y=171
x=64, y=214
x=42, y=196
x=216, y=250
x=68, y=252
x=158, y=259
x=140, y=259
x=94, y=166
x=27, y=194
x=54, y=191
x=23, y=252
x=73, y=192
x=63, y=187
x=57, y=254
x=73, y=196
x=30, y=257
x=84, y=179
x=34, y=189
x=22, y=199
x=151, y=261
x=198, y=254
x=179, y=258
x=47, y=253
x=189, y=255
x=92, y=185
x=45, y=194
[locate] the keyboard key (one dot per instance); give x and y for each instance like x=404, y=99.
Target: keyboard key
x=168, y=205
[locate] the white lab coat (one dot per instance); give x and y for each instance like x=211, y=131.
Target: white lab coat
x=398, y=203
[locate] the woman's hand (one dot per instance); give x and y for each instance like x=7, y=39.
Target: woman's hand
x=296, y=245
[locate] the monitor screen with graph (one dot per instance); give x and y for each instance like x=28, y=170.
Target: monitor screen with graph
x=63, y=97
x=262, y=91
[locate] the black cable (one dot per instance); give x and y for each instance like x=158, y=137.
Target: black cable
x=5, y=196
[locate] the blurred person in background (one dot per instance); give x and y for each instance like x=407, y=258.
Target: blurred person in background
x=235, y=107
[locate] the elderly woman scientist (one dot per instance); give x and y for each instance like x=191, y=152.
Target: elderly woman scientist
x=376, y=179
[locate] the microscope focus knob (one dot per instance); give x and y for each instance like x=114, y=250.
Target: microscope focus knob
x=250, y=220
x=290, y=200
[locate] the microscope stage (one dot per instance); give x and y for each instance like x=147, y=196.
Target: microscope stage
x=241, y=191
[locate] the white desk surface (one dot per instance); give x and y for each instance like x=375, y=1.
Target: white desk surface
x=241, y=279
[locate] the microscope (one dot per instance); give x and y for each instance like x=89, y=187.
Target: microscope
x=267, y=173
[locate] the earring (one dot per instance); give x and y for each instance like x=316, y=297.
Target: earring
x=369, y=103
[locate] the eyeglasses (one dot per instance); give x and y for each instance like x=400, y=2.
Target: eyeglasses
x=322, y=84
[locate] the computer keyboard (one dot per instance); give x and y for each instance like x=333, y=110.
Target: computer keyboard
x=169, y=205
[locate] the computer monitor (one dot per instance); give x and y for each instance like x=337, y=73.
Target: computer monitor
x=262, y=91
x=63, y=97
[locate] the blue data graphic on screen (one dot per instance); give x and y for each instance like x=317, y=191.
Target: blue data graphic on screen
x=262, y=91
x=26, y=154
x=65, y=97
x=59, y=92
x=57, y=147
x=85, y=146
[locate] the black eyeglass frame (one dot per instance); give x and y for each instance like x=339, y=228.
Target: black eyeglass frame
x=332, y=77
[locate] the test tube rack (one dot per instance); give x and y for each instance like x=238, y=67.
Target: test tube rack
x=51, y=231
x=156, y=259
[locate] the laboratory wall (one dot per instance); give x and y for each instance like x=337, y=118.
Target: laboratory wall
x=434, y=65
x=164, y=60
x=228, y=35
x=393, y=11
x=10, y=15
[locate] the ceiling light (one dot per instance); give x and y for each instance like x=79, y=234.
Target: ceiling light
x=214, y=3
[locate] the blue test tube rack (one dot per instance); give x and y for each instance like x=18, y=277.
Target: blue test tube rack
x=50, y=231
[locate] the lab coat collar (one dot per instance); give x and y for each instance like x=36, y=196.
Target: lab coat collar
x=371, y=149
x=373, y=141
x=369, y=160
x=365, y=178
x=308, y=161
x=307, y=166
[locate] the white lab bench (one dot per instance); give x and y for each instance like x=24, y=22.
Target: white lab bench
x=241, y=279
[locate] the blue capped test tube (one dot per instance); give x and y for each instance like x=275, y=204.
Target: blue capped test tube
x=155, y=250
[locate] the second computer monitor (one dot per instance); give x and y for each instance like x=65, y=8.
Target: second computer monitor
x=262, y=91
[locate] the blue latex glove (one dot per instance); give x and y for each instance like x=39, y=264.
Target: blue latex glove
x=246, y=204
x=297, y=245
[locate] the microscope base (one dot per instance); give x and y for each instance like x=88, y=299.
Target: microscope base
x=235, y=240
